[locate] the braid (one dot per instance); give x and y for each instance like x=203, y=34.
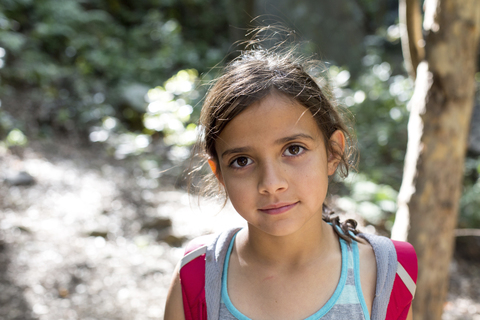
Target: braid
x=343, y=229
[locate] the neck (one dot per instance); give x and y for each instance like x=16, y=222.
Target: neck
x=315, y=240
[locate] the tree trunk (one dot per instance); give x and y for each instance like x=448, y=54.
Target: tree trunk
x=438, y=127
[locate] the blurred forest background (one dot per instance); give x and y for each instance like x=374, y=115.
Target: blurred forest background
x=98, y=107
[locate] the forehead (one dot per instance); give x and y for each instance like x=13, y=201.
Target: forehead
x=274, y=117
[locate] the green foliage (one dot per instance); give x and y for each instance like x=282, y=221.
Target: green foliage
x=16, y=138
x=377, y=99
x=470, y=202
x=167, y=115
x=169, y=110
x=376, y=203
x=82, y=61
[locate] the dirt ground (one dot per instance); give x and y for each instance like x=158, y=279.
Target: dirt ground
x=95, y=238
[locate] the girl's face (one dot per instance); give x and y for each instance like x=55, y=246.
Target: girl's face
x=274, y=165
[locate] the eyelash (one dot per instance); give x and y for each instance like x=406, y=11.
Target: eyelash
x=239, y=167
x=302, y=151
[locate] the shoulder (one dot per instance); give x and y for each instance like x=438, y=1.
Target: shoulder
x=374, y=249
x=384, y=254
x=366, y=254
x=368, y=271
x=174, y=304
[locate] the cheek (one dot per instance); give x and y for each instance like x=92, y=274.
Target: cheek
x=315, y=166
x=242, y=195
x=313, y=175
x=237, y=188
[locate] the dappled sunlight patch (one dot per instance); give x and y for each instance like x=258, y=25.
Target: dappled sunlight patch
x=167, y=115
x=88, y=242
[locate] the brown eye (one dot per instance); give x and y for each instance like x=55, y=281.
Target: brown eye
x=294, y=150
x=240, y=162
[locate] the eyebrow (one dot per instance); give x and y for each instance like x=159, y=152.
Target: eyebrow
x=294, y=137
x=235, y=150
x=279, y=141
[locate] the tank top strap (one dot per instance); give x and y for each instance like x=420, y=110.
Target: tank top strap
x=347, y=302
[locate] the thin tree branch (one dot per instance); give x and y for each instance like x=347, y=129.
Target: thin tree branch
x=467, y=232
x=411, y=35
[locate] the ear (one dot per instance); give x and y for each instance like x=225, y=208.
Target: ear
x=337, y=142
x=216, y=172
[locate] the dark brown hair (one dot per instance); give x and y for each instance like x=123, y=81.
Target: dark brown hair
x=252, y=76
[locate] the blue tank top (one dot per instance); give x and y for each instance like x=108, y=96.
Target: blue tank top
x=347, y=302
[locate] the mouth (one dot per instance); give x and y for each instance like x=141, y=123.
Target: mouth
x=278, y=208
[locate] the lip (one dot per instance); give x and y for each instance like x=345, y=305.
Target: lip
x=278, y=208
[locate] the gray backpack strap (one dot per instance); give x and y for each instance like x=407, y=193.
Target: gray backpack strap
x=386, y=258
x=214, y=259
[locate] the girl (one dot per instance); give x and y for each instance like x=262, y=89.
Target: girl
x=273, y=140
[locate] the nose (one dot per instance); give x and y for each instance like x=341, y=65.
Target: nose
x=272, y=178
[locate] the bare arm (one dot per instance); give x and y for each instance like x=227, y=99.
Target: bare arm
x=174, y=305
x=368, y=273
x=410, y=314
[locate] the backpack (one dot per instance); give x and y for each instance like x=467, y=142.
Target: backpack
x=192, y=279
